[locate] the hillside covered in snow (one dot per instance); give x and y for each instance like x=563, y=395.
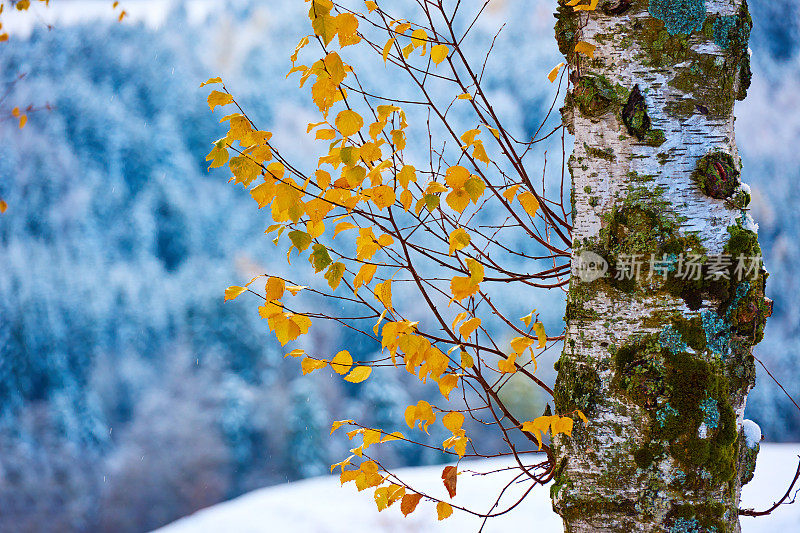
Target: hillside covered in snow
x=320, y=505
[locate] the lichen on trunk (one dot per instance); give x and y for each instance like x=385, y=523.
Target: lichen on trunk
x=661, y=364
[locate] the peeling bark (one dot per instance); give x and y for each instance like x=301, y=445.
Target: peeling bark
x=661, y=367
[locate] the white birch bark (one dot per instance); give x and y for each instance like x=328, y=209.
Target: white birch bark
x=632, y=350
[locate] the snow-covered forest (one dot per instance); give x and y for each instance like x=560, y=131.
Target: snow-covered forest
x=131, y=394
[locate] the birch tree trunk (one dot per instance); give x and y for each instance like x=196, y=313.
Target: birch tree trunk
x=662, y=364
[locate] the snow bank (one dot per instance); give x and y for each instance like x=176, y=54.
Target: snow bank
x=320, y=506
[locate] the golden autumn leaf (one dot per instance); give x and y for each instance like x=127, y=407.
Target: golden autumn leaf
x=453, y=421
x=383, y=196
x=577, y=6
x=348, y=122
x=450, y=479
x=467, y=328
x=342, y=362
x=507, y=366
x=211, y=81
x=347, y=28
x=218, y=98
x=383, y=293
x=299, y=352
x=394, y=435
x=439, y=53
x=387, y=48
x=585, y=48
x=529, y=202
x=358, y=374
x=509, y=193
x=371, y=6
x=447, y=383
x=3, y=206
x=443, y=510
x=274, y=288
x=337, y=424
x=233, y=292
x=554, y=73
x=309, y=365
x=563, y=425
x=538, y=327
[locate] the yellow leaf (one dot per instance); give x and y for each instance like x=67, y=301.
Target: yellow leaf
x=371, y=6
x=465, y=96
x=460, y=288
x=337, y=424
x=435, y=187
x=231, y=293
x=443, y=510
x=528, y=318
x=406, y=175
x=308, y=365
x=22, y=121
x=395, y=435
x=358, y=374
x=466, y=360
x=217, y=98
x=383, y=293
x=479, y=153
x=326, y=134
x=529, y=202
x=509, y=193
x=538, y=327
x=3, y=206
x=467, y=328
x=554, y=73
x=347, y=28
x=294, y=289
x=475, y=271
x=348, y=122
x=406, y=198
x=383, y=196
x=447, y=383
x=343, y=226
x=423, y=412
x=276, y=170
x=507, y=366
x=591, y=6
x=364, y=276
x=295, y=353
x=210, y=81
x=458, y=200
x=585, y=48
x=402, y=28
x=439, y=53
x=456, y=176
x=520, y=344
x=387, y=48
x=323, y=179
x=453, y=421
x=274, y=289
x=582, y=416
x=409, y=503
x=563, y=425
x=342, y=362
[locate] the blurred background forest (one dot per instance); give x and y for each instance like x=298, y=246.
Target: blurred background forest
x=130, y=393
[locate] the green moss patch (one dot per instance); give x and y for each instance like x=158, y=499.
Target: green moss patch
x=716, y=175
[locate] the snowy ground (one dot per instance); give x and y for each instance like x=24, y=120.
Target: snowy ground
x=320, y=505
